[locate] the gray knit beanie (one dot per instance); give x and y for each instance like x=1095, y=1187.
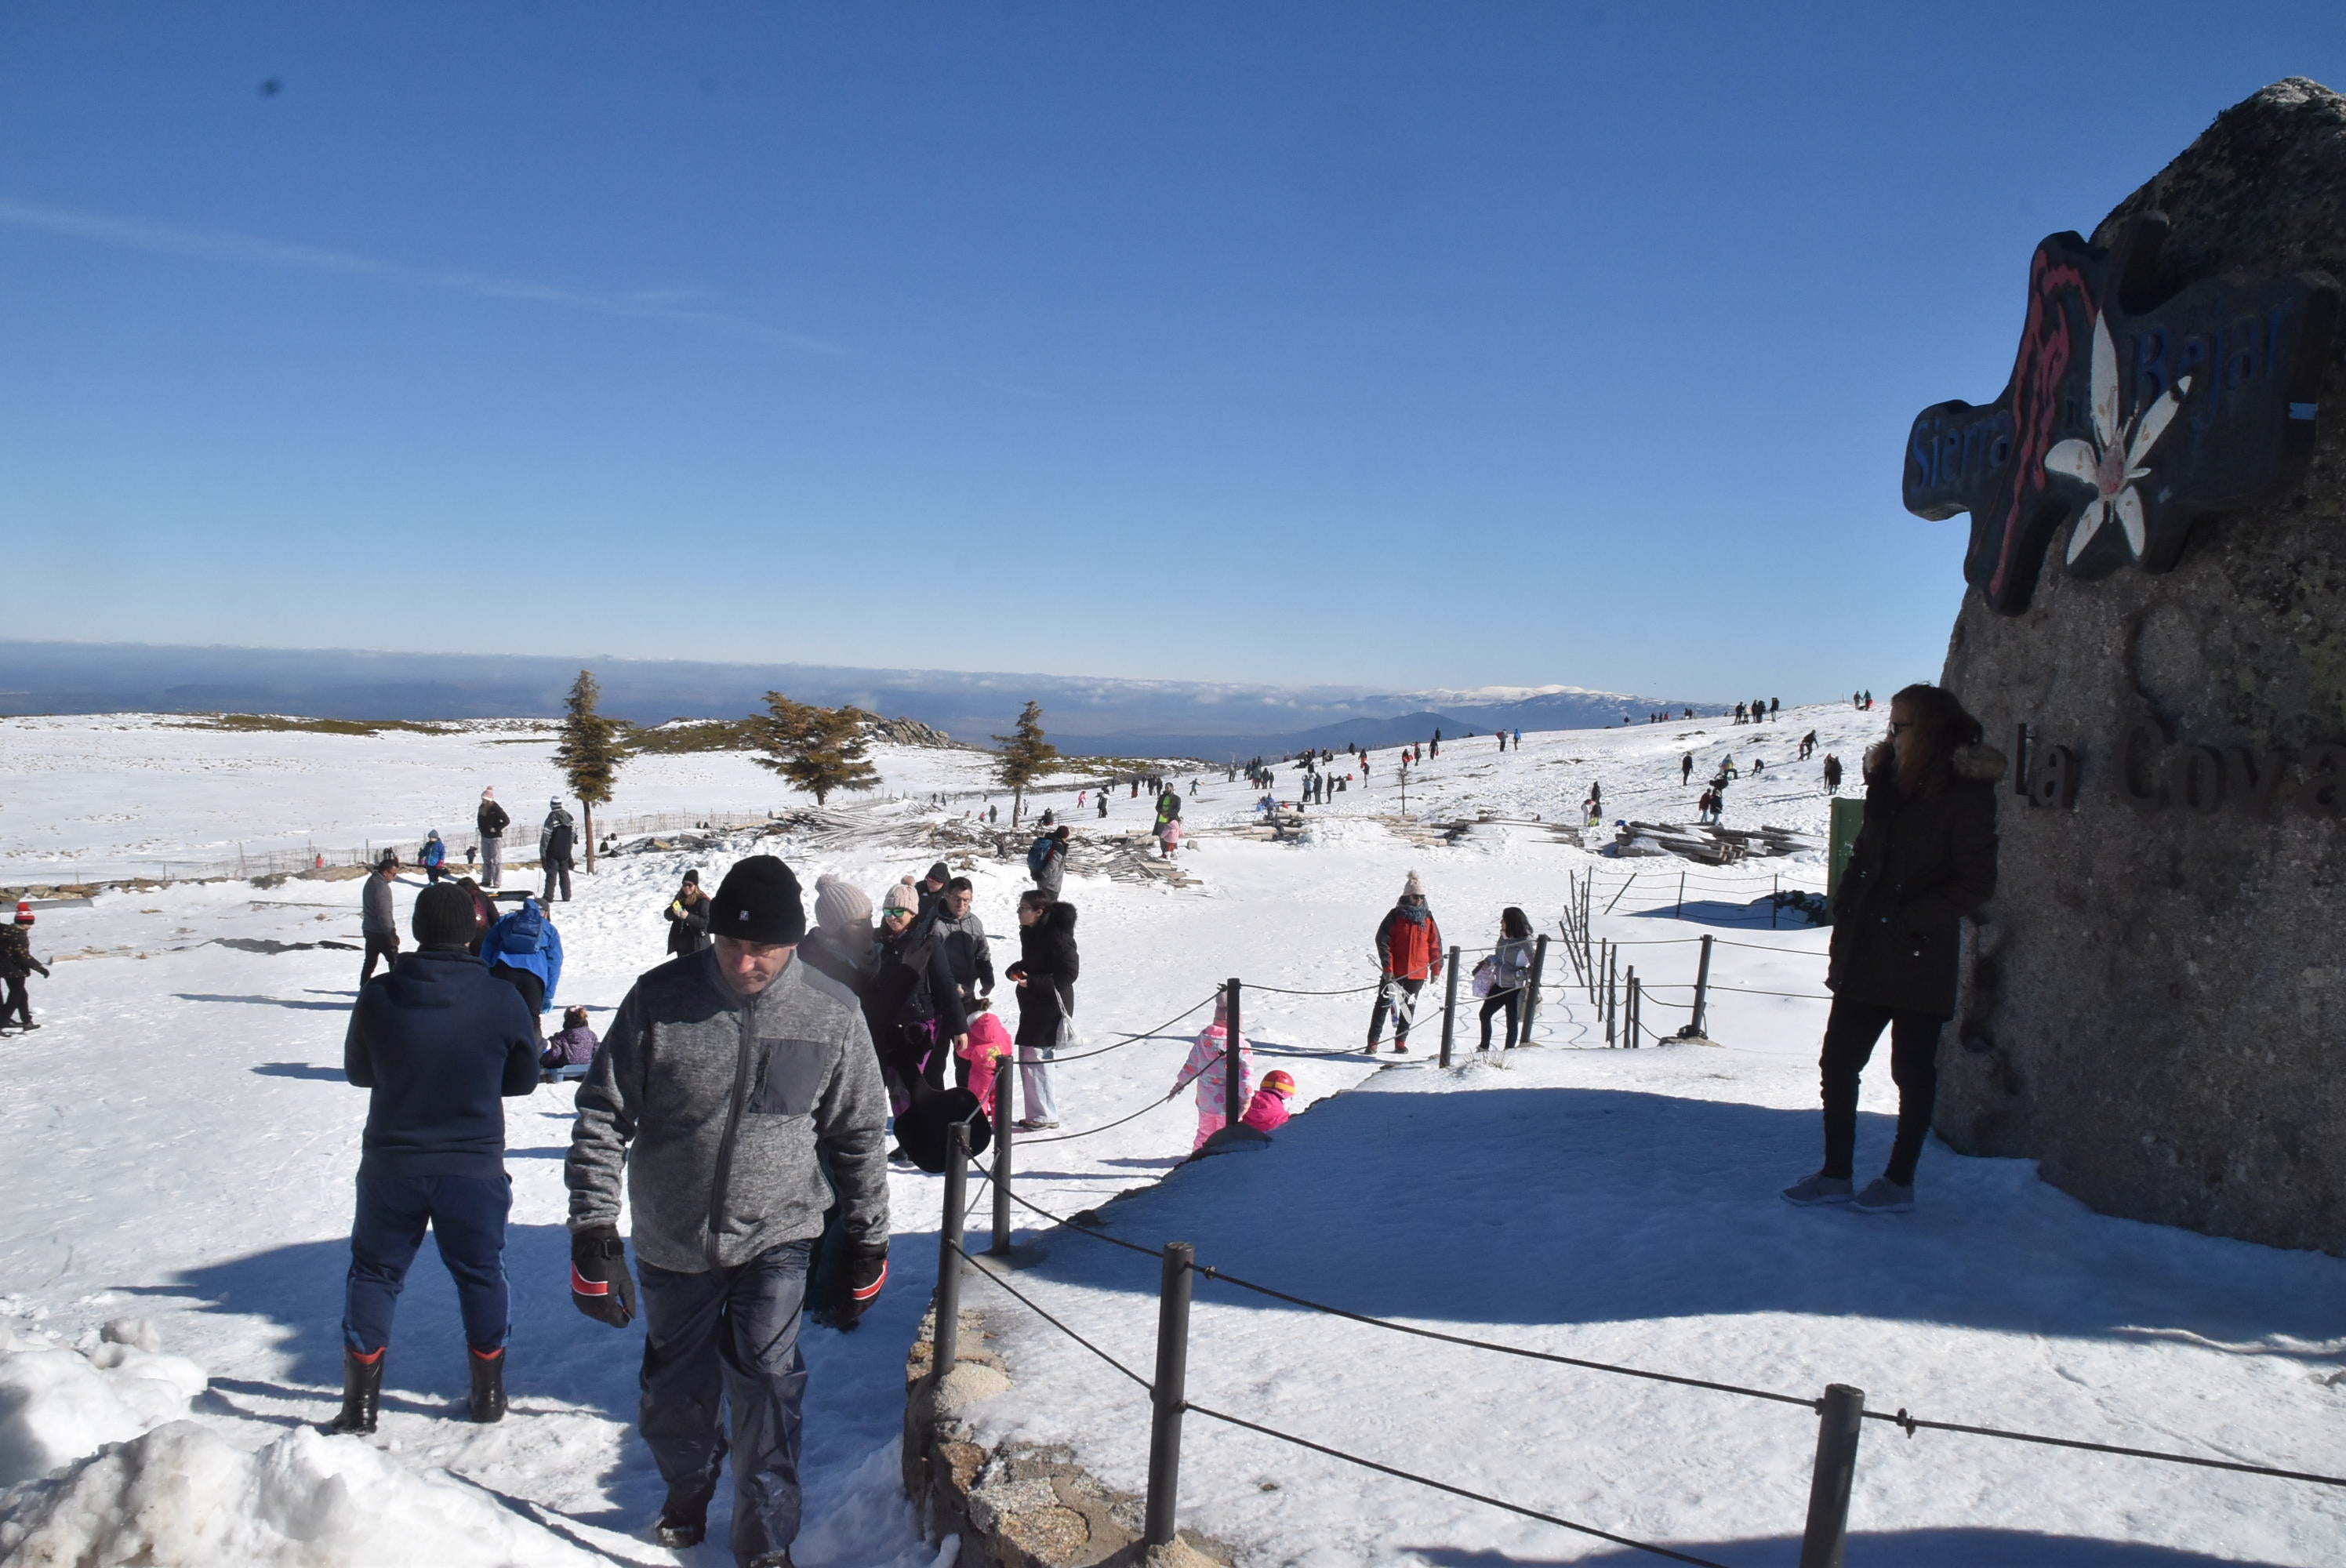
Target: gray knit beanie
x=839, y=903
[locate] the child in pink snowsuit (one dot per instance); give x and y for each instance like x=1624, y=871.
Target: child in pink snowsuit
x=987, y=1042
x=1208, y=1059
x=1267, y=1111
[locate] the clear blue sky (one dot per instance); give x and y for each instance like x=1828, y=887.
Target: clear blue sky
x=1397, y=345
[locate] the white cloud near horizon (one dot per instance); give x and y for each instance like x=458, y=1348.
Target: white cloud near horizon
x=651, y=304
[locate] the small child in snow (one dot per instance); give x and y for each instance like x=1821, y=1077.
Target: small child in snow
x=1267, y=1111
x=987, y=1042
x=1168, y=838
x=1208, y=1059
x=573, y=1048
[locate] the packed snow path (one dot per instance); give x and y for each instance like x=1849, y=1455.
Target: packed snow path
x=178, y=1148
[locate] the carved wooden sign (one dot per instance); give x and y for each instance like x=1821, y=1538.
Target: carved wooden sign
x=2125, y=419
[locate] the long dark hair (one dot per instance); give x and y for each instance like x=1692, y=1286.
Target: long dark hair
x=1514, y=924
x=1943, y=724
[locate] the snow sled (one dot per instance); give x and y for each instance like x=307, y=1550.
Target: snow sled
x=924, y=1125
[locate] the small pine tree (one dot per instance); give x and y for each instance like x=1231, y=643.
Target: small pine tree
x=818, y=749
x=1025, y=757
x=589, y=753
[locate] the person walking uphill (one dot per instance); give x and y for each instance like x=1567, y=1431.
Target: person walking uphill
x=1046, y=862
x=439, y=1042
x=1508, y=970
x=1924, y=858
x=728, y=1083
x=378, y=925
x=492, y=822
x=1409, y=953
x=17, y=965
x=1046, y=973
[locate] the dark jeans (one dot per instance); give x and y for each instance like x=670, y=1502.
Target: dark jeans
x=729, y=1336
x=18, y=1006
x=468, y=1216
x=1401, y=1019
x=1851, y=1031
x=555, y=871
x=1512, y=999
x=532, y=989
x=385, y=948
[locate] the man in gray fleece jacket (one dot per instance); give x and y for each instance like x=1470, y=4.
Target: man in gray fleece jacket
x=729, y=1083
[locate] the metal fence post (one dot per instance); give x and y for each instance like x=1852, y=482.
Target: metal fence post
x=1169, y=1396
x=1001, y=1247
x=1841, y=1413
x=1680, y=911
x=1532, y=991
x=1612, y=991
x=1233, y=1090
x=947, y=1342
x=1701, y=985
x=1629, y=1010
x=1450, y=1006
x=1775, y=891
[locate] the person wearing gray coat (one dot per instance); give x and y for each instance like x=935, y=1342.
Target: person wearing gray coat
x=730, y=1082
x=378, y=922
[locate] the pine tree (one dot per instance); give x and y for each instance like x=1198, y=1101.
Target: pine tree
x=1025, y=757
x=818, y=749
x=588, y=754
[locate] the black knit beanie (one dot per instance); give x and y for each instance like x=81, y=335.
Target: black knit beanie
x=759, y=902
x=940, y=875
x=444, y=917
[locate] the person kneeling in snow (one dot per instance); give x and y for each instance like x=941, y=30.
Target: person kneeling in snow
x=1267, y=1111
x=731, y=1082
x=568, y=1053
x=1209, y=1068
x=439, y=1040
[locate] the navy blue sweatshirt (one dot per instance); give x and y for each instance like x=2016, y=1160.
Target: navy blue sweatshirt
x=440, y=1040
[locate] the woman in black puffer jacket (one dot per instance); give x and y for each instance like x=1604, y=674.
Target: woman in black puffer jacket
x=1046, y=976
x=1924, y=858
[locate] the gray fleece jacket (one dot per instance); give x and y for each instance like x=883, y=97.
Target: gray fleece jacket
x=727, y=1102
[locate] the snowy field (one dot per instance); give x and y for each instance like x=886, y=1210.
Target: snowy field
x=177, y=1147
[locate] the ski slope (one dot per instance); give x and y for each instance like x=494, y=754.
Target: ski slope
x=177, y=1147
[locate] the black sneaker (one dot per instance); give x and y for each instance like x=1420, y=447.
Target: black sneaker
x=680, y=1527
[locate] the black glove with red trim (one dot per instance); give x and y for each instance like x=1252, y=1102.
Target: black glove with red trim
x=600, y=1285
x=858, y=1284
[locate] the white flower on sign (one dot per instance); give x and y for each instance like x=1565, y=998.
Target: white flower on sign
x=2113, y=460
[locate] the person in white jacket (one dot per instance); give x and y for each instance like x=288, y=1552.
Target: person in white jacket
x=1208, y=1068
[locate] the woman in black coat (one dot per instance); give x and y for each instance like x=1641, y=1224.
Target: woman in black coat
x=913, y=1007
x=1924, y=858
x=1046, y=976
x=688, y=918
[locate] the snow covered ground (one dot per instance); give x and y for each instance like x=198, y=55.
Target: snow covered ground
x=175, y=1148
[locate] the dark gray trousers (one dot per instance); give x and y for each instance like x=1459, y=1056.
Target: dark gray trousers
x=728, y=1334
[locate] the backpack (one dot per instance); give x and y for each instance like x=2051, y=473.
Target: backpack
x=523, y=934
x=1039, y=855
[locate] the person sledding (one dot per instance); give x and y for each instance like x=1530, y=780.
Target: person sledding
x=1409, y=953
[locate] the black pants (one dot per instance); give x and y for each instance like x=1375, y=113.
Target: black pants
x=385, y=948
x=532, y=989
x=18, y=1005
x=728, y=1334
x=555, y=871
x=1850, y=1035
x=1401, y=1018
x=1512, y=999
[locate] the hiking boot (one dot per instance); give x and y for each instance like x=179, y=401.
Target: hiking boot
x=487, y=1400
x=773, y=1560
x=682, y=1525
x=362, y=1394
x=1883, y=1196
x=1809, y=1191
x=1399, y=1047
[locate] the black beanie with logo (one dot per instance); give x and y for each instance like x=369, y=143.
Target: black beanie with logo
x=759, y=902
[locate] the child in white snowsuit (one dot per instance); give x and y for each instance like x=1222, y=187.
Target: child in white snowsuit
x=1207, y=1066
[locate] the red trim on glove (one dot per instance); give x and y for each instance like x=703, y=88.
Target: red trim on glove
x=866, y=1292
x=582, y=1286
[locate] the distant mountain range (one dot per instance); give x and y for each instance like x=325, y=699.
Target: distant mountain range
x=1104, y=718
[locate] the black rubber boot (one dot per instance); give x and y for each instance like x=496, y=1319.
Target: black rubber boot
x=487, y=1403
x=361, y=1393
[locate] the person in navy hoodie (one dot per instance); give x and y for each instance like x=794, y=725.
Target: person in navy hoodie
x=439, y=1040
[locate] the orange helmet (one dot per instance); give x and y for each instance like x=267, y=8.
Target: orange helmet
x=1279, y=1083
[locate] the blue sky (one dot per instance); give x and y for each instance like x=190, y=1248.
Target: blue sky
x=1391, y=345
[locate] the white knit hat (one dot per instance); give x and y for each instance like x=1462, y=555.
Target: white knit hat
x=1412, y=889
x=838, y=902
x=902, y=896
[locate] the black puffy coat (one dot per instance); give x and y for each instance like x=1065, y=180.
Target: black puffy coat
x=915, y=984
x=687, y=925
x=1049, y=961
x=1921, y=863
